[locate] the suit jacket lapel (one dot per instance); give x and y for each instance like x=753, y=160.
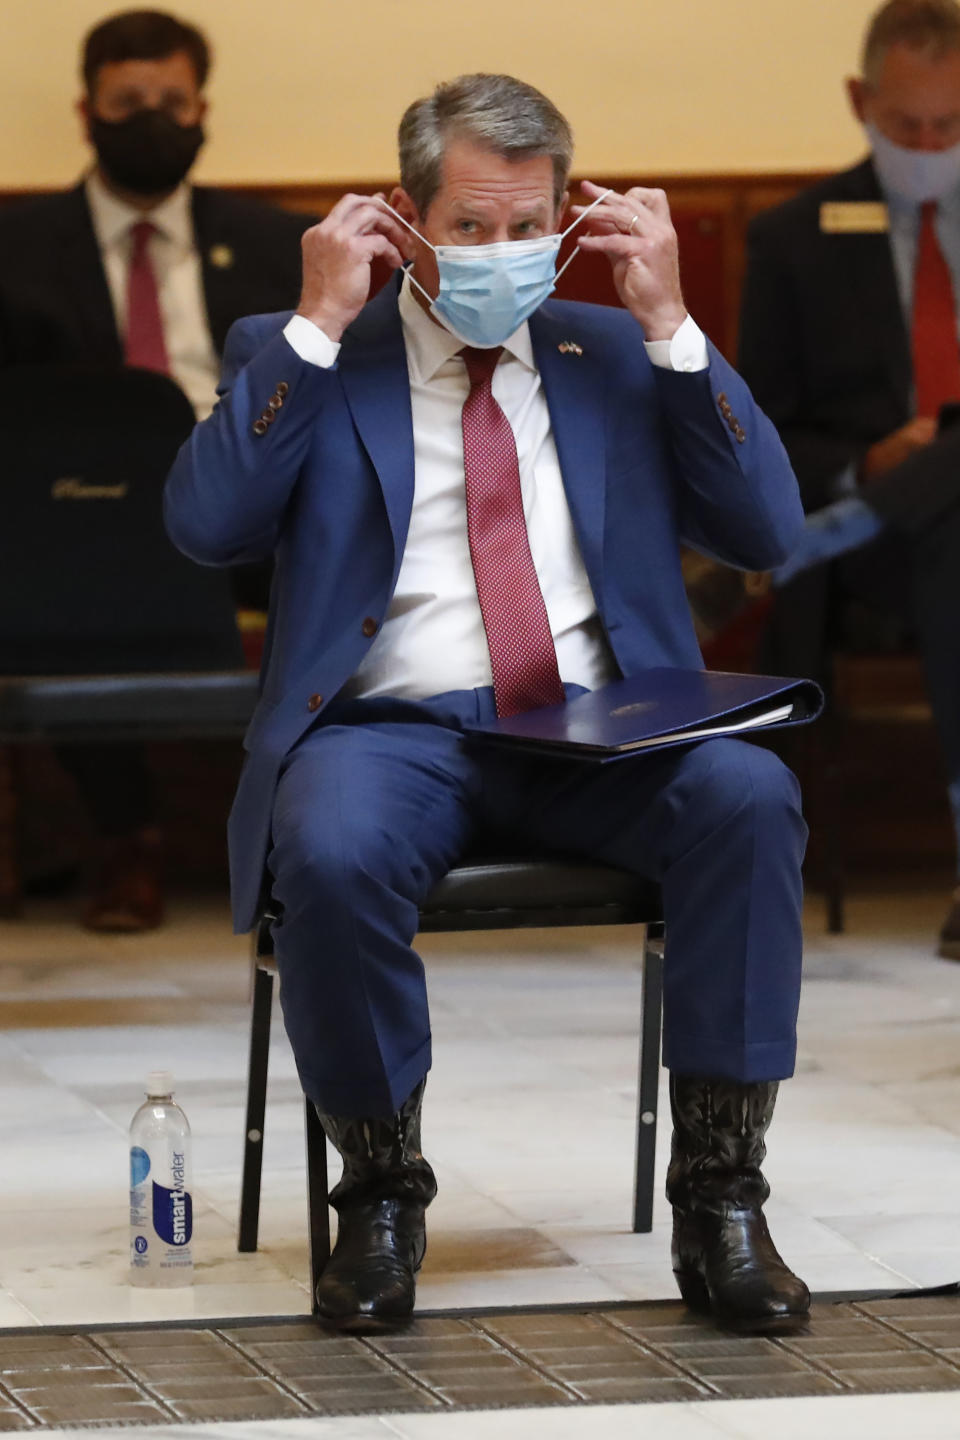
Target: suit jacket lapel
x=373, y=372
x=223, y=305
x=573, y=382
x=870, y=271
x=85, y=282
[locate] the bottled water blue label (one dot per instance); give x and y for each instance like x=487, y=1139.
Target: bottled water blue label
x=139, y=1165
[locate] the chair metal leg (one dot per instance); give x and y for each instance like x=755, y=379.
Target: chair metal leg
x=831, y=753
x=318, y=1209
x=648, y=1088
x=11, y=897
x=835, y=878
x=256, y=1108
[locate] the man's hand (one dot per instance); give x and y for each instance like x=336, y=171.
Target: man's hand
x=893, y=449
x=636, y=233
x=336, y=260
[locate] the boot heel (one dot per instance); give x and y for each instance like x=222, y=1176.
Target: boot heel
x=693, y=1290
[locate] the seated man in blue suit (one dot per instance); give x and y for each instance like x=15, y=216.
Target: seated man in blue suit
x=475, y=499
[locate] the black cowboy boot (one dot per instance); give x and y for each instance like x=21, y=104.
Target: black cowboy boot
x=368, y=1283
x=723, y=1257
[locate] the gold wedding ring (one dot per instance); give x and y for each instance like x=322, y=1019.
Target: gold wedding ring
x=632, y=223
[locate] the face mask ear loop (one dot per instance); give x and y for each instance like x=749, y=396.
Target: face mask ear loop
x=576, y=250
x=571, y=257
x=397, y=216
x=574, y=223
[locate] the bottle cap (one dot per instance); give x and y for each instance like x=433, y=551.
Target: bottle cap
x=159, y=1082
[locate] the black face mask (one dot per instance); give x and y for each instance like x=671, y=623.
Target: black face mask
x=148, y=152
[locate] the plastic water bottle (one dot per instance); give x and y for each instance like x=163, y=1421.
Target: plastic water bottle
x=161, y=1205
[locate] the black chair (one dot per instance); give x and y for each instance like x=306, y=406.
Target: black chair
x=89, y=581
x=107, y=633
x=868, y=689
x=485, y=894
x=867, y=662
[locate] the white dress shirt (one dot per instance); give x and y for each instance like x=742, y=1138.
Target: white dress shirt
x=432, y=638
x=176, y=265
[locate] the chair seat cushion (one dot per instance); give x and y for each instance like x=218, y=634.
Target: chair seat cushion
x=145, y=706
x=498, y=892
x=514, y=894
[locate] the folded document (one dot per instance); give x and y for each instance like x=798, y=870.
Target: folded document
x=656, y=708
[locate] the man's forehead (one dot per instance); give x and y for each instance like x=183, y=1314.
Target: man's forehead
x=472, y=175
x=909, y=68
x=176, y=69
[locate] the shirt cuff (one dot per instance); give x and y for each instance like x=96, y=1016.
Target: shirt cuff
x=686, y=351
x=310, y=343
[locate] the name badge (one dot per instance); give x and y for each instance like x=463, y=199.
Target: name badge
x=854, y=217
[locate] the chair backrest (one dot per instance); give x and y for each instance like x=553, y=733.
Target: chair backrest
x=89, y=581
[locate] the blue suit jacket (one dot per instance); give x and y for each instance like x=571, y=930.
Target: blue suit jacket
x=649, y=459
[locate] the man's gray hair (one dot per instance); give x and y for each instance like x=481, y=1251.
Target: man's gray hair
x=496, y=112
x=931, y=26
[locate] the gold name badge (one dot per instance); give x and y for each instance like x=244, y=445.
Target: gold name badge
x=854, y=217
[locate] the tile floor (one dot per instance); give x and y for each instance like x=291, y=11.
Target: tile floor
x=535, y=1179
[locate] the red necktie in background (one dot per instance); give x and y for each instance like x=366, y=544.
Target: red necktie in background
x=936, y=349
x=145, y=345
x=522, y=654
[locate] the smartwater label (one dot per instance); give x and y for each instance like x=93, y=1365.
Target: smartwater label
x=173, y=1207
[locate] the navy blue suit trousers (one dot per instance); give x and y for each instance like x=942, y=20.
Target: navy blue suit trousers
x=380, y=799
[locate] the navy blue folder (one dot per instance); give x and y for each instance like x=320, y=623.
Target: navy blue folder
x=657, y=708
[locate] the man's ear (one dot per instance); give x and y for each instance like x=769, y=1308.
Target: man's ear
x=83, y=109
x=856, y=94
x=562, y=209
x=402, y=203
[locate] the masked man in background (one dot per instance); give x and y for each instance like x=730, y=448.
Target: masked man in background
x=135, y=266
x=477, y=501
x=849, y=340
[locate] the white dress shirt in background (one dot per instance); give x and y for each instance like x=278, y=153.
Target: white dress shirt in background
x=176, y=264
x=432, y=638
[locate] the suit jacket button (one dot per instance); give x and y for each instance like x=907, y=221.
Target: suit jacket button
x=722, y=398
x=282, y=388
x=274, y=402
x=741, y=436
x=369, y=627
x=260, y=426
x=314, y=702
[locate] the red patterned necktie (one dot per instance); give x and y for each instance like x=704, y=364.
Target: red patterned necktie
x=522, y=654
x=145, y=345
x=936, y=350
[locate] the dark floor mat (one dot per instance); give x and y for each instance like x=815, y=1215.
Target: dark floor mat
x=570, y=1355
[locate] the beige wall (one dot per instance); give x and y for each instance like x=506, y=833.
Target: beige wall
x=312, y=89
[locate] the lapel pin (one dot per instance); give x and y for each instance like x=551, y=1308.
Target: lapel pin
x=570, y=347
x=221, y=257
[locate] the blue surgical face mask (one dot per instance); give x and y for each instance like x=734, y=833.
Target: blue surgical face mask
x=914, y=175
x=487, y=291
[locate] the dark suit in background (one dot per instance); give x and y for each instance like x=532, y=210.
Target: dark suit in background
x=54, y=302
x=825, y=347
x=55, y=307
